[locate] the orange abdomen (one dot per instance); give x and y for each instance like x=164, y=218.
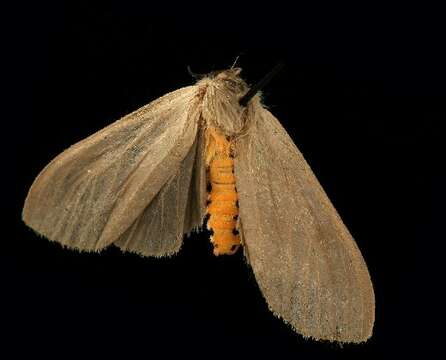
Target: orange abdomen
x=223, y=199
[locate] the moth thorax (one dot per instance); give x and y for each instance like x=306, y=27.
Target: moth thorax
x=222, y=208
x=222, y=111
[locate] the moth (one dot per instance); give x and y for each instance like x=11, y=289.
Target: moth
x=212, y=150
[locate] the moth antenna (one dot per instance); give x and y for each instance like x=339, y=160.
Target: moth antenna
x=266, y=79
x=235, y=61
x=194, y=75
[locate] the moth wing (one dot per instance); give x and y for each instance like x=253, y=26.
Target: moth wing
x=305, y=261
x=178, y=208
x=89, y=195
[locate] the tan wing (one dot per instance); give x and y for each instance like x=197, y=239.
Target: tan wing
x=89, y=195
x=178, y=208
x=306, y=263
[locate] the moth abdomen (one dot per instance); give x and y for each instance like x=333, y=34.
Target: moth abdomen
x=222, y=201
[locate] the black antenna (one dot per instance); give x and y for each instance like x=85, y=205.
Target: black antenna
x=266, y=79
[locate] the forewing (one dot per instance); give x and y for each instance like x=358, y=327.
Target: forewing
x=306, y=263
x=89, y=195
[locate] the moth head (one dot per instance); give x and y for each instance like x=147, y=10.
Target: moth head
x=227, y=81
x=230, y=81
x=227, y=98
x=220, y=92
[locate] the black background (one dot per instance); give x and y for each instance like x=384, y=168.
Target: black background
x=362, y=95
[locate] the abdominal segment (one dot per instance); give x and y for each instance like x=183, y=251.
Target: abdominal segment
x=222, y=208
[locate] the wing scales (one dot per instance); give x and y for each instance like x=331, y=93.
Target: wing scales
x=89, y=195
x=159, y=230
x=307, y=264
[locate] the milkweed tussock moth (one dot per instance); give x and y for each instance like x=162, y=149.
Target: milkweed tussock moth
x=140, y=184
